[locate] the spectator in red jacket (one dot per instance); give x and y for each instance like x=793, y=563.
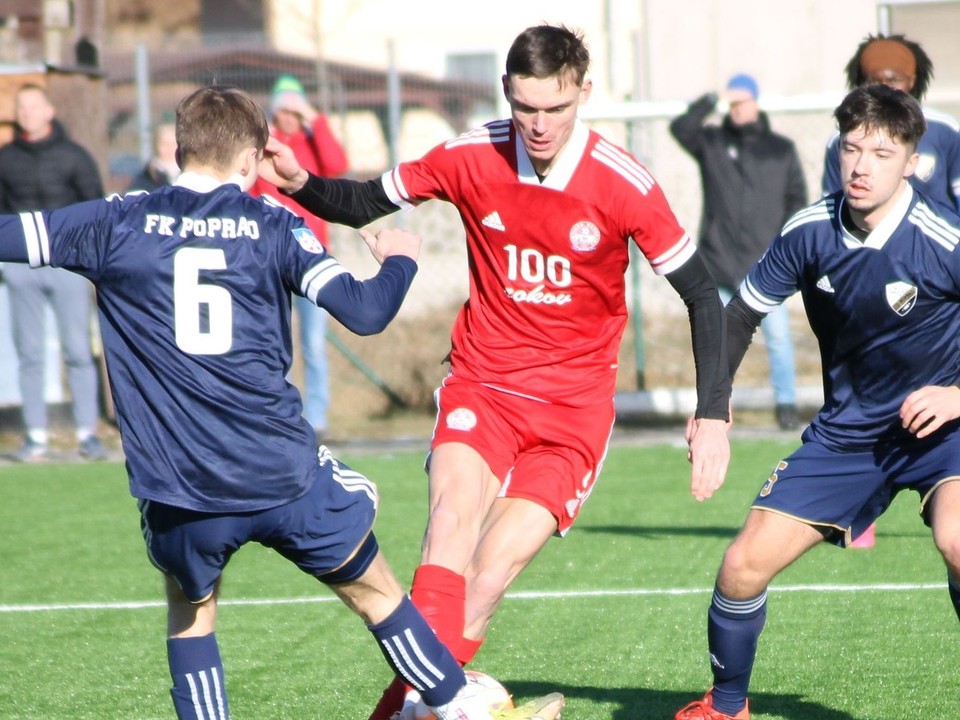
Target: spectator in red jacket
x=298, y=124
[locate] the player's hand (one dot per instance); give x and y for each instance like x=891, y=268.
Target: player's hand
x=709, y=454
x=392, y=241
x=926, y=410
x=280, y=167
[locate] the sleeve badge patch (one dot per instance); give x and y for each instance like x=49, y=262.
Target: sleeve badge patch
x=307, y=240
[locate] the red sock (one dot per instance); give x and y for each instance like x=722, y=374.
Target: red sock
x=467, y=650
x=441, y=595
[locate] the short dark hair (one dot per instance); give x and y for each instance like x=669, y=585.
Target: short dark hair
x=545, y=51
x=924, y=71
x=880, y=107
x=216, y=122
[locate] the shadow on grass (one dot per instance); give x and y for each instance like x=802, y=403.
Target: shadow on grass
x=649, y=704
x=661, y=530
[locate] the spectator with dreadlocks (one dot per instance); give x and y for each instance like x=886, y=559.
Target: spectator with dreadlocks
x=902, y=64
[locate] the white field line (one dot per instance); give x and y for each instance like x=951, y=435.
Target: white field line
x=529, y=595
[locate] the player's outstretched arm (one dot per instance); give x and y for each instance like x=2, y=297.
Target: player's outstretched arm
x=366, y=307
x=926, y=410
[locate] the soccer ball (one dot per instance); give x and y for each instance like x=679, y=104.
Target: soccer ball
x=495, y=696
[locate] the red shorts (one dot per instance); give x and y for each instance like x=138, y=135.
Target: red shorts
x=550, y=454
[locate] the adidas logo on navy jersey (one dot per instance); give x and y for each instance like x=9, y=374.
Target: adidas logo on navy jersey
x=493, y=221
x=824, y=284
x=902, y=297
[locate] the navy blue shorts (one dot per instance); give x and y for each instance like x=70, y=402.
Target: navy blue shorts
x=319, y=532
x=843, y=493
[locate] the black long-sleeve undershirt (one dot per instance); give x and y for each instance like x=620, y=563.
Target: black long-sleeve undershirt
x=696, y=287
x=742, y=323
x=347, y=202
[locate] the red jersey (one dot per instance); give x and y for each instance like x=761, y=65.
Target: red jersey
x=319, y=152
x=546, y=308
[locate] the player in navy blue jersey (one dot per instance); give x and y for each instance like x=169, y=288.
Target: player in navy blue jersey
x=193, y=287
x=878, y=267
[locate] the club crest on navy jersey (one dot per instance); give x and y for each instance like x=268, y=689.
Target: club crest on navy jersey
x=902, y=297
x=584, y=236
x=308, y=241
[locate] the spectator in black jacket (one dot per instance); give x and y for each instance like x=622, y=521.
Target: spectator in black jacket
x=161, y=169
x=43, y=169
x=752, y=183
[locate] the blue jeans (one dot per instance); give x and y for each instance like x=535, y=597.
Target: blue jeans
x=313, y=347
x=776, y=334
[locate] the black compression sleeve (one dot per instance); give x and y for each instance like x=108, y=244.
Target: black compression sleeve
x=742, y=323
x=696, y=287
x=347, y=202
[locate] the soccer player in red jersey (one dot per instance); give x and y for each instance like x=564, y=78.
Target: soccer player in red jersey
x=526, y=411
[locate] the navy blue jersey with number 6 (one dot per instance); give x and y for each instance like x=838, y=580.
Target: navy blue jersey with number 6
x=193, y=286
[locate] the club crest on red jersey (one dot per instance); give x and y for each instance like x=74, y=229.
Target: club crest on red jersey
x=307, y=240
x=461, y=419
x=584, y=236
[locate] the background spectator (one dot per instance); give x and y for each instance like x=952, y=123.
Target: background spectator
x=295, y=122
x=162, y=168
x=752, y=182
x=42, y=169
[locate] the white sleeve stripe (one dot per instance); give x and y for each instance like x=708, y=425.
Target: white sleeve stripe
x=396, y=192
x=676, y=256
x=37, y=240
x=754, y=300
x=318, y=277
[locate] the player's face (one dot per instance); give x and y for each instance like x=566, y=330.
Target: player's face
x=34, y=113
x=874, y=167
x=544, y=113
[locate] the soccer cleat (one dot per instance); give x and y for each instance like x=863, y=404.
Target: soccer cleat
x=704, y=710
x=92, y=449
x=30, y=451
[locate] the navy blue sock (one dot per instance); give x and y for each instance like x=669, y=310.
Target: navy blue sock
x=953, y=586
x=417, y=656
x=733, y=627
x=198, y=690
